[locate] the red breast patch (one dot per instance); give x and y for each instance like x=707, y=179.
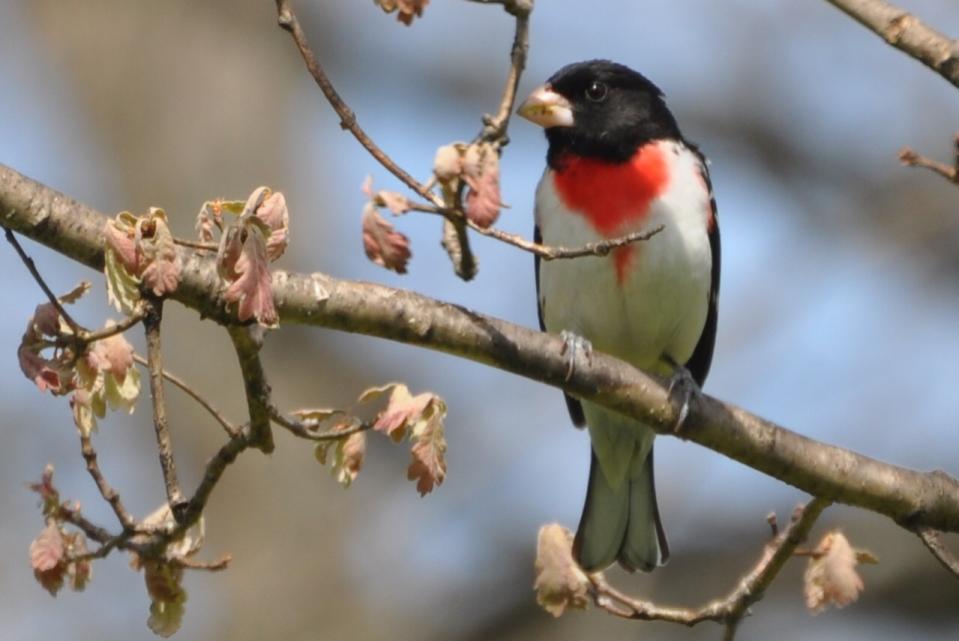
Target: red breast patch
x=612, y=196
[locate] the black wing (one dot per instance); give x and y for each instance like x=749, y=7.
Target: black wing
x=575, y=407
x=698, y=364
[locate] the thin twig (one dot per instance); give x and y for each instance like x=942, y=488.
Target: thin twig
x=300, y=429
x=113, y=330
x=109, y=494
x=247, y=341
x=911, y=158
x=154, y=309
x=211, y=476
x=231, y=429
x=550, y=252
x=288, y=21
x=193, y=244
x=495, y=130
x=907, y=33
x=32, y=267
x=728, y=610
x=210, y=566
x=932, y=539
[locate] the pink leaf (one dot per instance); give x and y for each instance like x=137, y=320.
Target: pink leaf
x=113, y=354
x=227, y=255
x=121, y=238
x=382, y=243
x=159, y=262
x=481, y=172
x=397, y=203
x=275, y=214
x=401, y=412
x=428, y=467
x=47, y=549
x=253, y=287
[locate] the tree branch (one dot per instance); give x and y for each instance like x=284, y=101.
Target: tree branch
x=910, y=158
x=907, y=33
x=228, y=427
x=247, y=341
x=730, y=609
x=109, y=494
x=932, y=539
x=154, y=314
x=911, y=498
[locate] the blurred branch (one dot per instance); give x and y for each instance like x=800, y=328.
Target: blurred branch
x=932, y=539
x=301, y=430
x=911, y=158
x=154, y=316
x=247, y=342
x=907, y=33
x=228, y=427
x=109, y=494
x=730, y=609
x=913, y=499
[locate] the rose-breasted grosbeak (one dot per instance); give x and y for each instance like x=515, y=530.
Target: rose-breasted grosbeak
x=617, y=163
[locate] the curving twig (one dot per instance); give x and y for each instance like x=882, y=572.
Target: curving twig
x=32, y=267
x=907, y=33
x=228, y=427
x=300, y=430
x=109, y=494
x=728, y=610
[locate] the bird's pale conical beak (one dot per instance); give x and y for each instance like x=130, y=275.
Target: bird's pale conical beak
x=547, y=108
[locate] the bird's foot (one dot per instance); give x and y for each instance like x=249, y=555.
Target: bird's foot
x=573, y=345
x=685, y=388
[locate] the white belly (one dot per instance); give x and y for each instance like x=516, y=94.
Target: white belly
x=658, y=308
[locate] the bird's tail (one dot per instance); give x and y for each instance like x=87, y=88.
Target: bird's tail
x=621, y=523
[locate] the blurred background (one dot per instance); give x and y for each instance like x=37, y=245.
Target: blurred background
x=838, y=309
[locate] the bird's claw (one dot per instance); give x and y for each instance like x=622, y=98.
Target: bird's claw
x=685, y=386
x=573, y=344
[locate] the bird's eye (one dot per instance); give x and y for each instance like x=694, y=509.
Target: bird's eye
x=596, y=91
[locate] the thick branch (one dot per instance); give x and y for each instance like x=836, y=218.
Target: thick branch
x=911, y=498
x=907, y=33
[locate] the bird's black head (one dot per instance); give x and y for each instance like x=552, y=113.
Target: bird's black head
x=600, y=109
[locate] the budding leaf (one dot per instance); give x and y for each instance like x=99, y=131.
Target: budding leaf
x=159, y=262
x=348, y=455
x=428, y=467
x=407, y=9
x=831, y=577
x=253, y=287
x=164, y=585
x=481, y=172
x=123, y=287
x=560, y=583
x=382, y=243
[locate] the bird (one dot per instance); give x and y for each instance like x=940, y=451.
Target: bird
x=617, y=163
